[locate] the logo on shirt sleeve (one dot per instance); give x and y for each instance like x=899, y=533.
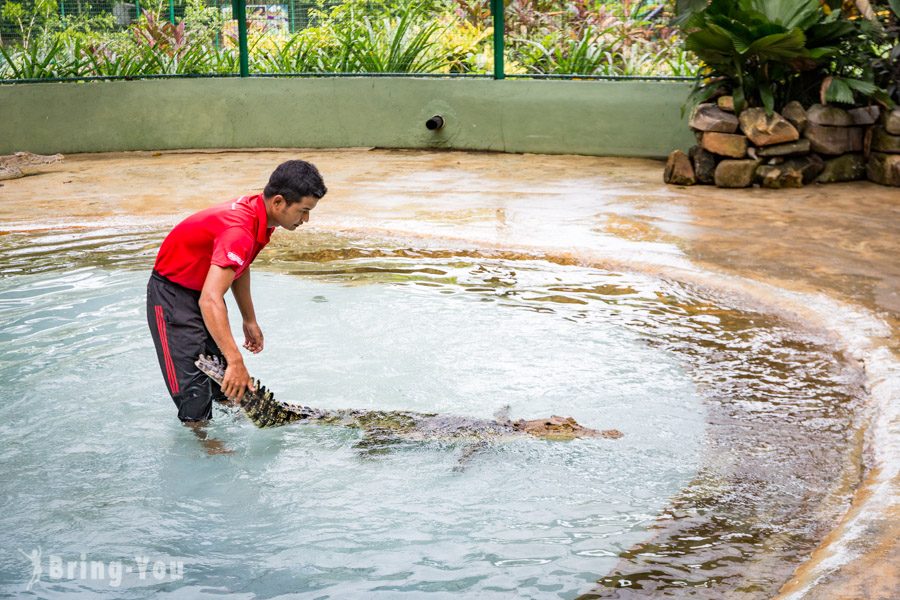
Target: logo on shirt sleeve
x=235, y=258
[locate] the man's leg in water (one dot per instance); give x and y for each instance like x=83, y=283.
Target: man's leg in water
x=180, y=336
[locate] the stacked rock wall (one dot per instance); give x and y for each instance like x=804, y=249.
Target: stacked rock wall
x=797, y=146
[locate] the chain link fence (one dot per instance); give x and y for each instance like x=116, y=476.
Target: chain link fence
x=19, y=18
x=62, y=39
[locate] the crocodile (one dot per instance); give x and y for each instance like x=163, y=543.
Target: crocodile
x=382, y=428
x=13, y=166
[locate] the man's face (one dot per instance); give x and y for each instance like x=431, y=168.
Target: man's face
x=292, y=216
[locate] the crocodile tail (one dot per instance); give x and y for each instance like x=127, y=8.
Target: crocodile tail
x=265, y=411
x=258, y=403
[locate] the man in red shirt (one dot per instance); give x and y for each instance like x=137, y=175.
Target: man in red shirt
x=204, y=256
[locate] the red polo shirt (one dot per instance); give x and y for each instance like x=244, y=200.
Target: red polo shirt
x=228, y=235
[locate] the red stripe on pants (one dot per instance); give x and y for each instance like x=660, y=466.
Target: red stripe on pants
x=164, y=339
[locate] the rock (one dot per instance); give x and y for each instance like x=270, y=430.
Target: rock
x=830, y=116
x=704, y=163
x=801, y=146
x=834, y=140
x=775, y=160
x=709, y=117
x=764, y=130
x=867, y=141
x=678, y=169
x=794, y=112
x=892, y=122
x=778, y=177
x=883, y=168
x=848, y=167
x=809, y=166
x=882, y=141
x=725, y=144
x=726, y=103
x=864, y=115
x=735, y=173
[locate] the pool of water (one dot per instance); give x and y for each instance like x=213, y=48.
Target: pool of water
x=97, y=468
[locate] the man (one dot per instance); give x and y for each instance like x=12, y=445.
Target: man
x=200, y=259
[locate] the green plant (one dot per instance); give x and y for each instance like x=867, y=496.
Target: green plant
x=224, y=60
x=465, y=47
x=202, y=22
x=673, y=59
x=43, y=59
x=886, y=66
x=441, y=36
x=586, y=55
x=591, y=38
x=300, y=53
x=29, y=20
x=767, y=52
x=404, y=43
x=104, y=61
x=166, y=49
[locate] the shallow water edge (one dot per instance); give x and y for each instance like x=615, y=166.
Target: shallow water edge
x=603, y=212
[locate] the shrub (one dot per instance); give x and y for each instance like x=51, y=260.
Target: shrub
x=768, y=52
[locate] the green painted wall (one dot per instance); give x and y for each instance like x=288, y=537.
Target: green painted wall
x=577, y=117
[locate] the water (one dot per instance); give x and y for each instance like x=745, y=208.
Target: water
x=95, y=462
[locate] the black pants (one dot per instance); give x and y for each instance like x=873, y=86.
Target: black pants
x=180, y=336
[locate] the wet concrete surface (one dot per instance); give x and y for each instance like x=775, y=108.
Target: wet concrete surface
x=839, y=241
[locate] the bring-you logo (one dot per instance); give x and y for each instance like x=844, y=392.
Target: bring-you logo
x=113, y=573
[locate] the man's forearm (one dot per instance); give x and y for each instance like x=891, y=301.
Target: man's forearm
x=241, y=290
x=215, y=316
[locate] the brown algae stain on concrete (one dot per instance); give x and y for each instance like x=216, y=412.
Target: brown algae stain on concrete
x=635, y=229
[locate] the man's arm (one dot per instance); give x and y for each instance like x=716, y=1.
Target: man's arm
x=215, y=316
x=253, y=337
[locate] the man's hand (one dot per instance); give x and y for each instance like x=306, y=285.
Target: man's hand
x=236, y=381
x=253, y=337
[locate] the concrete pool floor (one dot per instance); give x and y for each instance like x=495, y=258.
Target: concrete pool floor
x=787, y=249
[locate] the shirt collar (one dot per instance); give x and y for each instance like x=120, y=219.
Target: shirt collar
x=263, y=232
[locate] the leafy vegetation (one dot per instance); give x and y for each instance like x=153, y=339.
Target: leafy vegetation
x=768, y=52
x=584, y=37
x=887, y=65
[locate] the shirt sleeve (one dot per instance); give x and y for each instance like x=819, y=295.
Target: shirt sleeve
x=232, y=249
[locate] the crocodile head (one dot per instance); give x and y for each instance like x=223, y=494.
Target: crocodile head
x=561, y=428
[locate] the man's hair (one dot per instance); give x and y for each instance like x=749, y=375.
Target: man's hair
x=294, y=180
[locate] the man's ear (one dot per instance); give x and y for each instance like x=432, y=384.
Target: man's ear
x=278, y=201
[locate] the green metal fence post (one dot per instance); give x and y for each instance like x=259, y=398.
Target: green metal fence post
x=172, y=12
x=293, y=25
x=497, y=14
x=218, y=5
x=239, y=12
x=62, y=8
x=137, y=9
